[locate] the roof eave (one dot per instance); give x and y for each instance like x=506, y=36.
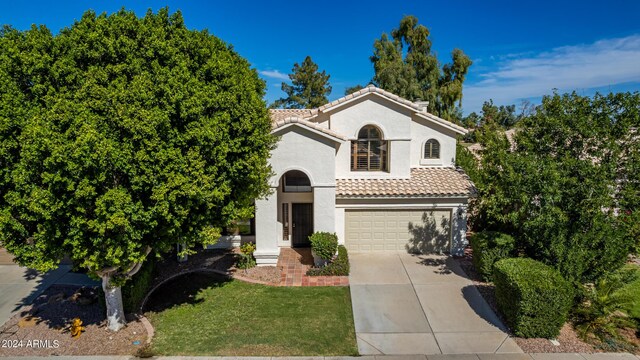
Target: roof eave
x=309, y=128
x=442, y=122
x=425, y=196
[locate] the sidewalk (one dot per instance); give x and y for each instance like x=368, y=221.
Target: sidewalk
x=546, y=356
x=19, y=286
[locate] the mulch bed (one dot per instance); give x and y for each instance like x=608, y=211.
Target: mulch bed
x=42, y=329
x=568, y=339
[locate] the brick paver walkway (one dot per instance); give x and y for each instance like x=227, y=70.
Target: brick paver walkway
x=294, y=263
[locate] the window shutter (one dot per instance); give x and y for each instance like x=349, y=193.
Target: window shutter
x=369, y=152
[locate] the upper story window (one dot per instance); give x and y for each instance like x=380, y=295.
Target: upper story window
x=296, y=181
x=432, y=149
x=369, y=152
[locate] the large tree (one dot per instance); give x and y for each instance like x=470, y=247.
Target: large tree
x=309, y=88
x=405, y=66
x=352, y=89
x=121, y=136
x=568, y=186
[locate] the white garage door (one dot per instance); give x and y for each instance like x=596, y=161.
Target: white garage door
x=416, y=231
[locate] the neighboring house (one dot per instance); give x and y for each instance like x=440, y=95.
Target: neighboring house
x=374, y=168
x=476, y=148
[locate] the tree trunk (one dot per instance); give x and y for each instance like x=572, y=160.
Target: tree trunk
x=115, y=309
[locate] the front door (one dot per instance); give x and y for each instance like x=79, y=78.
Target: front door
x=302, y=219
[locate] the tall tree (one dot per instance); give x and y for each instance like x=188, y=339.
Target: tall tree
x=570, y=188
x=418, y=75
x=121, y=136
x=352, y=89
x=503, y=115
x=309, y=88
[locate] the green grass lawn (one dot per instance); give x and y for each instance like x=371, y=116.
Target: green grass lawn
x=634, y=290
x=236, y=318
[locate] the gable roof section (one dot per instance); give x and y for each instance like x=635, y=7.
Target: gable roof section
x=423, y=182
x=313, y=127
x=370, y=89
x=309, y=114
x=281, y=114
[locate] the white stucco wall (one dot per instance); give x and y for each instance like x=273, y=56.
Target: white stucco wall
x=304, y=150
x=324, y=159
x=393, y=120
x=423, y=130
x=267, y=250
x=339, y=217
x=324, y=205
x=314, y=154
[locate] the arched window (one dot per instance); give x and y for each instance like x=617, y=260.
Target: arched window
x=296, y=181
x=369, y=152
x=432, y=149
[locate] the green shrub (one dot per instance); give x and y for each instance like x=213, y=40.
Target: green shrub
x=489, y=247
x=605, y=310
x=136, y=288
x=246, y=260
x=339, y=266
x=324, y=244
x=533, y=297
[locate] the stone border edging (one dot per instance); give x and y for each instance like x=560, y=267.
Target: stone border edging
x=148, y=327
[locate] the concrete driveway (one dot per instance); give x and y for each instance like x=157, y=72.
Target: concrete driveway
x=419, y=304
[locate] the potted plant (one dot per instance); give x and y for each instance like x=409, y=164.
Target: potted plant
x=324, y=246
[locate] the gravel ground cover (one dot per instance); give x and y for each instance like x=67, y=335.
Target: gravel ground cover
x=42, y=329
x=568, y=339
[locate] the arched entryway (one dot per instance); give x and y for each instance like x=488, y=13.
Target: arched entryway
x=295, y=208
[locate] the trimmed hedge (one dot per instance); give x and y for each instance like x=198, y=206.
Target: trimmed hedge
x=338, y=267
x=533, y=297
x=324, y=244
x=489, y=247
x=134, y=290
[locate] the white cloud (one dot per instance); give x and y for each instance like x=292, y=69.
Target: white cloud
x=603, y=63
x=274, y=74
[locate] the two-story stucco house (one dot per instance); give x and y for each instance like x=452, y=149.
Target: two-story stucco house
x=376, y=169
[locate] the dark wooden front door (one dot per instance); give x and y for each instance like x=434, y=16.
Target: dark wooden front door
x=302, y=219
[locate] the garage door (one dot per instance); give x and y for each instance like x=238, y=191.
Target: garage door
x=416, y=231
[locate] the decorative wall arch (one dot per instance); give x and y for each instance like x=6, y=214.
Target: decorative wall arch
x=381, y=128
x=298, y=168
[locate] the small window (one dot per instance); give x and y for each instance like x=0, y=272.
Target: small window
x=285, y=221
x=370, y=151
x=432, y=149
x=296, y=181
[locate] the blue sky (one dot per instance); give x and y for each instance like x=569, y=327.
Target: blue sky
x=521, y=49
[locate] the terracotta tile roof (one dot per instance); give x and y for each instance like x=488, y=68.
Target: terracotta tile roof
x=367, y=90
x=294, y=120
x=425, y=182
x=281, y=114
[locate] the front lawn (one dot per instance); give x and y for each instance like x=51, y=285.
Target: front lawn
x=633, y=290
x=202, y=314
